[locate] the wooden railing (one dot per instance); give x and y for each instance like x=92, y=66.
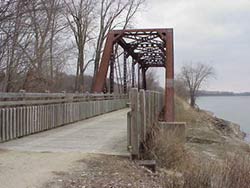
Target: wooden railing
x=23, y=114
x=24, y=99
x=146, y=107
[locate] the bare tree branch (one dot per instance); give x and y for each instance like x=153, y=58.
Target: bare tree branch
x=194, y=76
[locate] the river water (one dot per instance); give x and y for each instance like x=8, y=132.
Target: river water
x=232, y=108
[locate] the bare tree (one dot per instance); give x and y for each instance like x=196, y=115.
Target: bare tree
x=56, y=28
x=194, y=76
x=129, y=13
x=112, y=14
x=32, y=49
x=79, y=16
x=132, y=8
x=5, y=12
x=109, y=11
x=152, y=81
x=15, y=31
x=43, y=27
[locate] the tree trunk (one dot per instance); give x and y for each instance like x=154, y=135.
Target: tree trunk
x=81, y=67
x=192, y=101
x=96, y=66
x=77, y=76
x=51, y=55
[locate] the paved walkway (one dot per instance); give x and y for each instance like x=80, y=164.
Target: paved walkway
x=105, y=134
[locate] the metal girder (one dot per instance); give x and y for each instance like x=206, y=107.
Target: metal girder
x=133, y=73
x=100, y=79
x=127, y=48
x=148, y=48
x=111, y=73
x=125, y=73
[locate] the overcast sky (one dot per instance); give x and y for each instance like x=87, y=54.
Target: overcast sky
x=215, y=32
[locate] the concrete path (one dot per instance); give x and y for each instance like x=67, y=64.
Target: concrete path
x=33, y=161
x=105, y=134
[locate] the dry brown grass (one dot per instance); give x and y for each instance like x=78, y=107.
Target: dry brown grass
x=183, y=112
x=164, y=147
x=234, y=172
x=187, y=170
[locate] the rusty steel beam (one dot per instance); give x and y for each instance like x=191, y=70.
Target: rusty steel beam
x=169, y=88
x=133, y=73
x=144, y=79
x=128, y=49
x=111, y=74
x=148, y=48
x=139, y=31
x=138, y=77
x=125, y=73
x=104, y=65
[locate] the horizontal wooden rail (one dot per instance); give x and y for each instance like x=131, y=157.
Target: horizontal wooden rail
x=23, y=99
x=21, y=118
x=4, y=95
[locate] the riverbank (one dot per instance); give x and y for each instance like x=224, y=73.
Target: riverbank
x=227, y=127
x=225, y=124
x=235, y=109
x=210, y=136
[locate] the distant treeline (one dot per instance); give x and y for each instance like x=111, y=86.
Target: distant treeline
x=221, y=93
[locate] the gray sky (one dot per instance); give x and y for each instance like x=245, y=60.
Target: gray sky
x=215, y=32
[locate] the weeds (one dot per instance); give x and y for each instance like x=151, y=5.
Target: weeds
x=234, y=172
x=183, y=112
x=189, y=172
x=184, y=170
x=164, y=147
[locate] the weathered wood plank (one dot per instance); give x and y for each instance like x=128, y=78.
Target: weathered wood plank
x=11, y=129
x=143, y=115
x=14, y=119
x=18, y=121
x=7, y=122
x=1, y=126
x=134, y=125
x=4, y=124
x=25, y=120
x=129, y=144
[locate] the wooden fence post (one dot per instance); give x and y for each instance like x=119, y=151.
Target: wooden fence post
x=129, y=130
x=142, y=115
x=134, y=122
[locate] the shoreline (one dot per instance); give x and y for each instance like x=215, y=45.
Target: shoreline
x=230, y=108
x=247, y=138
x=234, y=127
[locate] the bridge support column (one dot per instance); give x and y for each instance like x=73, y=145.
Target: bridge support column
x=111, y=75
x=169, y=88
x=100, y=80
x=144, y=80
x=125, y=73
x=139, y=77
x=133, y=73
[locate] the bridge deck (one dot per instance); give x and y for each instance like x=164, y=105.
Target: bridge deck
x=105, y=134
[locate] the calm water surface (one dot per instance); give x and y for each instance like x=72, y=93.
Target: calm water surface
x=235, y=109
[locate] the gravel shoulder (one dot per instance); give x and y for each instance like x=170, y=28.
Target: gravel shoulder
x=73, y=170
x=33, y=169
x=103, y=171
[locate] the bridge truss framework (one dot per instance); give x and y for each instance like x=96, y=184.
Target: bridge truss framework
x=148, y=48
